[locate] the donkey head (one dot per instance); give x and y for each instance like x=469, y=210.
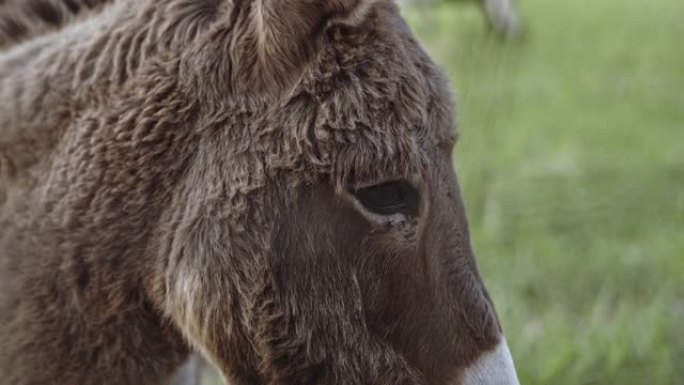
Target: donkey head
x=324, y=238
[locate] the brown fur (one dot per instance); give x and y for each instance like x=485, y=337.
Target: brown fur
x=177, y=172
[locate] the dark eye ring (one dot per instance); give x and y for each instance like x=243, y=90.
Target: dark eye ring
x=395, y=197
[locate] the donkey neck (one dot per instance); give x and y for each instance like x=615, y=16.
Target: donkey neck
x=51, y=79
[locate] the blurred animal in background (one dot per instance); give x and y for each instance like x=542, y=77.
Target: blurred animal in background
x=267, y=182
x=501, y=15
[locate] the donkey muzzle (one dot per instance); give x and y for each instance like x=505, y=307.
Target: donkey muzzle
x=493, y=368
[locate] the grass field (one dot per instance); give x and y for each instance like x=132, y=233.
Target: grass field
x=572, y=165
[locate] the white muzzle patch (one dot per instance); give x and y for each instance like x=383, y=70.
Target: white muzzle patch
x=493, y=368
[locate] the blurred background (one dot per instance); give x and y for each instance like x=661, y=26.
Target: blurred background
x=571, y=160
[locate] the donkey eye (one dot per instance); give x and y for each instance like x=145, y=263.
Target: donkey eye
x=388, y=198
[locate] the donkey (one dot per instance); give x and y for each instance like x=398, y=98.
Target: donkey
x=269, y=182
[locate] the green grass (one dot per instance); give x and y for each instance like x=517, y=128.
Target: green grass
x=572, y=164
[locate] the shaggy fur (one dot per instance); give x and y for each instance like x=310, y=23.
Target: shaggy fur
x=178, y=173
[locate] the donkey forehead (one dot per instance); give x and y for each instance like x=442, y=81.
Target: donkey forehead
x=377, y=75
x=374, y=98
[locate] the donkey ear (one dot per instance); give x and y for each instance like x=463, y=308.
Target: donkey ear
x=287, y=31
